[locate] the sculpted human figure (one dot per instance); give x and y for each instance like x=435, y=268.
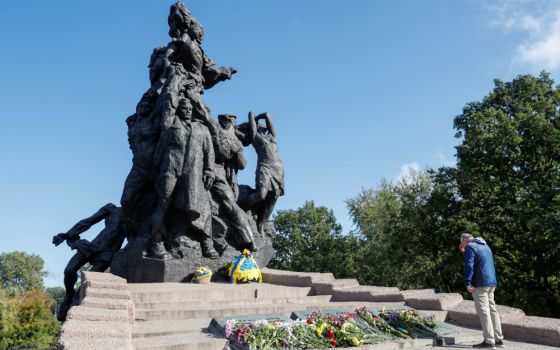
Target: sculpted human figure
x=185, y=157
x=99, y=252
x=185, y=47
x=270, y=169
x=143, y=135
x=229, y=157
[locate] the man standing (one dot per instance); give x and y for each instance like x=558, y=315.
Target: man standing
x=480, y=278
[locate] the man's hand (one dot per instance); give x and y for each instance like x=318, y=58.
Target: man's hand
x=470, y=289
x=208, y=182
x=232, y=71
x=59, y=239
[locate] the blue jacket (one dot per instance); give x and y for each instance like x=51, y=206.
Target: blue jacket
x=479, y=264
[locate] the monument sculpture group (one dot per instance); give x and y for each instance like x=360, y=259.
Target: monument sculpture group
x=181, y=204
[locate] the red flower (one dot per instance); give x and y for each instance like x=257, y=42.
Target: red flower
x=331, y=336
x=333, y=343
x=309, y=320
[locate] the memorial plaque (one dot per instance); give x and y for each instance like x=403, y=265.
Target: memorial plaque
x=219, y=323
x=303, y=315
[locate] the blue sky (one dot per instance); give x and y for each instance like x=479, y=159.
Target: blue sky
x=359, y=90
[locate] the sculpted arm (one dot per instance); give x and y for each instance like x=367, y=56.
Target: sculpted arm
x=209, y=162
x=213, y=75
x=269, y=126
x=83, y=225
x=252, y=125
x=241, y=162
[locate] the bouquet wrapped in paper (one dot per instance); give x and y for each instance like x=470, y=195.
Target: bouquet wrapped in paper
x=244, y=269
x=202, y=275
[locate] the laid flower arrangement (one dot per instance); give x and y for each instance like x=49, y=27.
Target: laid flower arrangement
x=322, y=331
x=400, y=324
x=202, y=275
x=244, y=269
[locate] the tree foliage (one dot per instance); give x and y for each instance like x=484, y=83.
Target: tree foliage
x=26, y=320
x=21, y=271
x=26, y=315
x=405, y=244
x=310, y=239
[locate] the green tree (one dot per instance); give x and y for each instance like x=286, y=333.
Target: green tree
x=310, y=239
x=21, y=271
x=26, y=320
x=406, y=225
x=508, y=176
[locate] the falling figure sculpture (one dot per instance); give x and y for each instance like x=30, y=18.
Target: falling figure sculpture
x=99, y=252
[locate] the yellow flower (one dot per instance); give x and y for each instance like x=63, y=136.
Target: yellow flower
x=355, y=341
x=271, y=326
x=321, y=328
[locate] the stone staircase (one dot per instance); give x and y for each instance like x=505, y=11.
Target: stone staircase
x=116, y=315
x=176, y=315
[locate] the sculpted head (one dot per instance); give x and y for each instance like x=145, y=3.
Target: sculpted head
x=146, y=104
x=261, y=127
x=184, y=109
x=179, y=19
x=227, y=120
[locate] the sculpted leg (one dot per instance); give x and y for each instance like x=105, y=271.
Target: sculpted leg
x=237, y=218
x=264, y=212
x=70, y=278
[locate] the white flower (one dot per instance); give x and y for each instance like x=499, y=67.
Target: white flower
x=230, y=325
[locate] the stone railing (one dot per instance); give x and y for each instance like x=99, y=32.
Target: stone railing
x=104, y=317
x=449, y=307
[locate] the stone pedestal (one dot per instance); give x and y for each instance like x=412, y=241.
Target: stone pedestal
x=132, y=263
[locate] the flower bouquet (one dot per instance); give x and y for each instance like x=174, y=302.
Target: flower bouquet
x=202, y=275
x=244, y=269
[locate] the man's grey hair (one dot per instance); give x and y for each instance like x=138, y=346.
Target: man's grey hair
x=465, y=235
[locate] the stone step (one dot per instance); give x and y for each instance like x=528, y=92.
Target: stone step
x=95, y=343
x=83, y=313
x=439, y=301
x=143, y=329
x=209, y=311
x=321, y=288
x=160, y=292
x=367, y=293
x=217, y=303
x=533, y=329
x=106, y=293
x=292, y=278
x=101, y=277
x=94, y=329
x=464, y=313
x=199, y=341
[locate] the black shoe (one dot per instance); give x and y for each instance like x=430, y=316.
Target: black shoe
x=483, y=345
x=499, y=343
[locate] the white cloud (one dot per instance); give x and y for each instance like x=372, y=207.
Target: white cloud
x=407, y=172
x=543, y=51
x=539, y=22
